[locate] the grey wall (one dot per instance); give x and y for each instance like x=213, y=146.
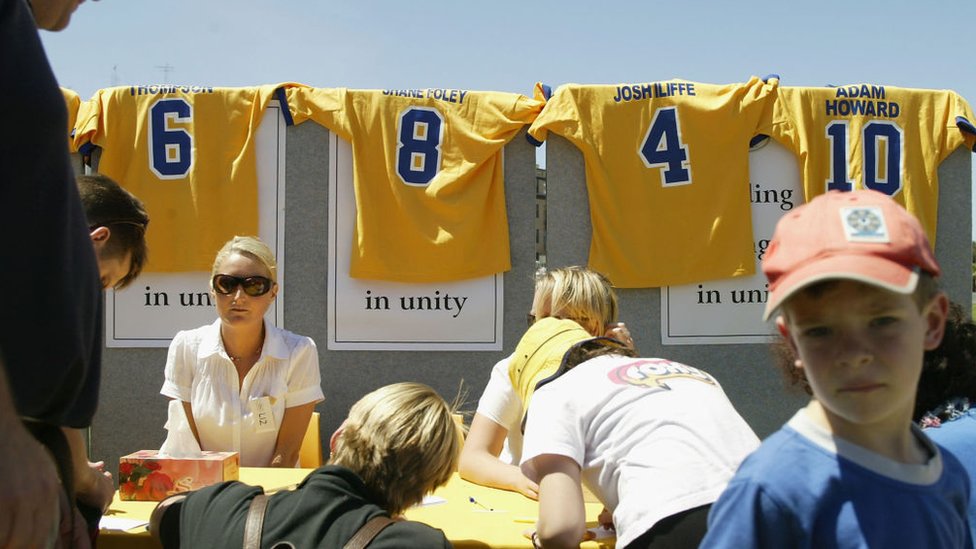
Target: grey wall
x=746, y=372
x=132, y=412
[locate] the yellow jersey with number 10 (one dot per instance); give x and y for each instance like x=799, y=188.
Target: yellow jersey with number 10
x=867, y=136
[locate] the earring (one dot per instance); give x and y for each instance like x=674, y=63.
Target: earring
x=798, y=364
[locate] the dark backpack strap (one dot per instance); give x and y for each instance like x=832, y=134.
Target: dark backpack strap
x=255, y=522
x=369, y=531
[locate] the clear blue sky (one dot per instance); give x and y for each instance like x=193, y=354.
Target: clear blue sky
x=507, y=45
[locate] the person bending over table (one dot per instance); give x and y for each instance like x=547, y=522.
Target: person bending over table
x=656, y=441
x=398, y=444
x=246, y=385
x=493, y=447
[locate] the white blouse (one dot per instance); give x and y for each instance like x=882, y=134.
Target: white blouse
x=199, y=371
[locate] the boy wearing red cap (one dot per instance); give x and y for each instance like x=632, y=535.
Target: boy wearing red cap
x=852, y=279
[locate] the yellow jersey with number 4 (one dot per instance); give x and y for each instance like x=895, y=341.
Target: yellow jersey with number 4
x=667, y=173
x=428, y=176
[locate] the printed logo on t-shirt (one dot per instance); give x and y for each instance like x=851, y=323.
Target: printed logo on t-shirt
x=653, y=373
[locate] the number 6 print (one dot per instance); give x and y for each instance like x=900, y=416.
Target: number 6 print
x=419, y=146
x=873, y=135
x=170, y=149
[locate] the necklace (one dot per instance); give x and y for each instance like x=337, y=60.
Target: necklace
x=236, y=359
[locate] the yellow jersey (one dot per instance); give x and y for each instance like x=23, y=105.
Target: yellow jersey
x=667, y=173
x=428, y=176
x=188, y=153
x=866, y=136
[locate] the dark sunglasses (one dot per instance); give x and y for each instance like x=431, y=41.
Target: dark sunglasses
x=254, y=286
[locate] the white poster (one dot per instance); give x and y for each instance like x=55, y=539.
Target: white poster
x=157, y=305
x=730, y=310
x=363, y=314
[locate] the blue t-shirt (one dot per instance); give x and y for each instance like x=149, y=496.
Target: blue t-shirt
x=958, y=437
x=805, y=488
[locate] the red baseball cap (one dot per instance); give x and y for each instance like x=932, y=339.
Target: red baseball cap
x=860, y=235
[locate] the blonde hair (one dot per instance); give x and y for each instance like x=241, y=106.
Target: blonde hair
x=403, y=443
x=252, y=247
x=579, y=294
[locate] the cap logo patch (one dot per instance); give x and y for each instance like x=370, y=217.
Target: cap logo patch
x=864, y=224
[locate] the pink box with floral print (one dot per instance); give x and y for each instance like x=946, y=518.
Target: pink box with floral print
x=144, y=476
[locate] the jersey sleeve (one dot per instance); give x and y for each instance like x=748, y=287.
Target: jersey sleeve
x=178, y=373
x=758, y=100
x=326, y=106
x=560, y=115
x=304, y=381
x=780, y=123
x=962, y=125
x=73, y=103
x=745, y=516
x=88, y=123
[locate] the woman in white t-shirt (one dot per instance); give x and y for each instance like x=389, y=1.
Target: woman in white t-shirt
x=493, y=446
x=654, y=440
x=246, y=385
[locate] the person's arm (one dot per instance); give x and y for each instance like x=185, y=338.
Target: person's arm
x=93, y=485
x=562, y=515
x=479, y=461
x=294, y=423
x=29, y=481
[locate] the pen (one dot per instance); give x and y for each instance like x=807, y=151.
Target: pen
x=479, y=504
x=527, y=520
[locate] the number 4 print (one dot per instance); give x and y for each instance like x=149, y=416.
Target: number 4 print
x=662, y=147
x=878, y=138
x=419, y=146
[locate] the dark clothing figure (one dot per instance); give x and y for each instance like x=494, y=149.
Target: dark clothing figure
x=325, y=511
x=50, y=326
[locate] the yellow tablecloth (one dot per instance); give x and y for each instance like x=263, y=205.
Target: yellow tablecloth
x=498, y=522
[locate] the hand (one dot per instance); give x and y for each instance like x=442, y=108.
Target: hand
x=526, y=487
x=606, y=519
x=98, y=488
x=31, y=492
x=620, y=332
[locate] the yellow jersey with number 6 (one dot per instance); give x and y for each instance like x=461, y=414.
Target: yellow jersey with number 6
x=188, y=153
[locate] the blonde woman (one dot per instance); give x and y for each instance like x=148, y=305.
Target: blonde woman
x=398, y=444
x=493, y=447
x=246, y=385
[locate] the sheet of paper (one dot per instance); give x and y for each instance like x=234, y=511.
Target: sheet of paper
x=602, y=533
x=432, y=500
x=119, y=523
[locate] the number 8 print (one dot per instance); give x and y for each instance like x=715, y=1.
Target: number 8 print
x=419, y=147
x=170, y=149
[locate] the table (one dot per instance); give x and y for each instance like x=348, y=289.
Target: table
x=496, y=520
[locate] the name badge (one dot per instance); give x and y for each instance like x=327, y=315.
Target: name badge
x=263, y=415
